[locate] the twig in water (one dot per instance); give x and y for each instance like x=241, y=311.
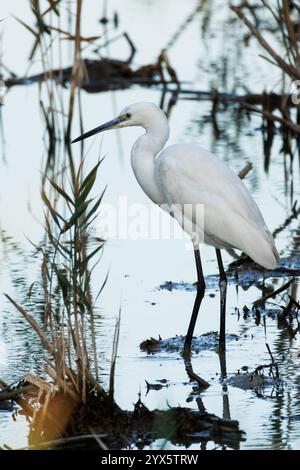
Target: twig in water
x=263, y=299
x=273, y=362
x=114, y=357
x=272, y=117
x=244, y=172
x=294, y=215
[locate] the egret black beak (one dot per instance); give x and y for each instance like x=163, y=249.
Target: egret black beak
x=108, y=125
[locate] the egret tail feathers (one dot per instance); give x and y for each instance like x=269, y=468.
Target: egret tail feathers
x=264, y=253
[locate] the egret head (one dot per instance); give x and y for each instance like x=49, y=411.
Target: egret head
x=143, y=114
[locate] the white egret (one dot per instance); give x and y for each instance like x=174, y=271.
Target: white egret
x=186, y=175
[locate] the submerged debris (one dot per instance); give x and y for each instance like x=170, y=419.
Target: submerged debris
x=272, y=294
x=208, y=340
x=104, y=74
x=156, y=386
x=252, y=381
x=257, y=379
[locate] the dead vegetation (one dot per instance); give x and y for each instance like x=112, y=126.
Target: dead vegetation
x=102, y=73
x=101, y=423
x=283, y=53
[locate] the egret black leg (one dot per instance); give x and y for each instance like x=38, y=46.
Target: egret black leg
x=222, y=358
x=223, y=291
x=198, y=300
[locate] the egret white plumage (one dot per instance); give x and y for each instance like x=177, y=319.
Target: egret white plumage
x=186, y=175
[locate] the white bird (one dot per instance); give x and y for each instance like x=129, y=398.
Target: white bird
x=181, y=177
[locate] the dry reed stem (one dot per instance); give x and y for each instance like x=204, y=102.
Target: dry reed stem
x=44, y=410
x=290, y=27
x=15, y=394
x=39, y=383
x=98, y=439
x=50, y=348
x=114, y=356
x=34, y=325
x=273, y=118
x=244, y=171
x=75, y=69
x=288, y=68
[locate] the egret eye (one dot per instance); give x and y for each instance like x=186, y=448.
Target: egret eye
x=128, y=115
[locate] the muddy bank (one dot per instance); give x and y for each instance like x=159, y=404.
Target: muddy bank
x=60, y=423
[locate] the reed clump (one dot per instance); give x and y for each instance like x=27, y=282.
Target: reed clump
x=66, y=275
x=67, y=331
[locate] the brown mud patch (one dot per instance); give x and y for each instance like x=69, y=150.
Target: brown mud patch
x=207, y=341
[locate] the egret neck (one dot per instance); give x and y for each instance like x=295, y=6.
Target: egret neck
x=144, y=153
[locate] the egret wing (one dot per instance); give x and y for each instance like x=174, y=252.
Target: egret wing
x=190, y=175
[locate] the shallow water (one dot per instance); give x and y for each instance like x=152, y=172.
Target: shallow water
x=138, y=268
